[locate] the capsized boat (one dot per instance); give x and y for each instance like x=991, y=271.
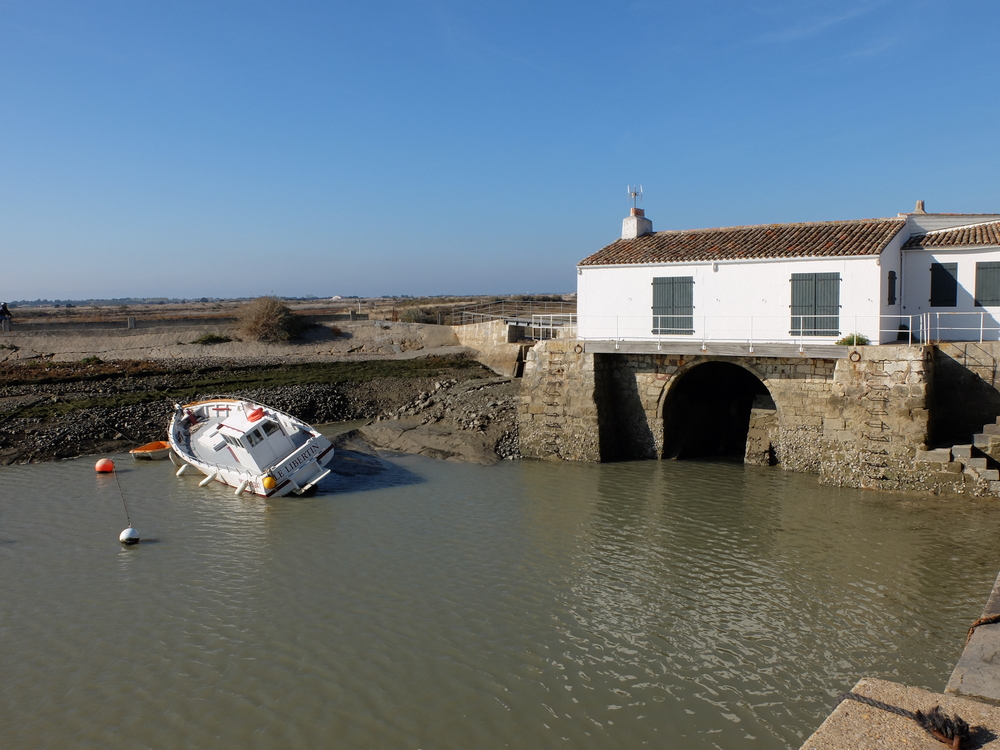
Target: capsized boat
x=155, y=451
x=251, y=447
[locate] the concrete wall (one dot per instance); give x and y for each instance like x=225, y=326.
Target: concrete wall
x=616, y=301
x=490, y=340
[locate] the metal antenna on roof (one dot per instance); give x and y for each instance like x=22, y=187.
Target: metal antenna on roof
x=635, y=194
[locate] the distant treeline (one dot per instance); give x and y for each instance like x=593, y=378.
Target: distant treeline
x=136, y=301
x=119, y=301
x=99, y=302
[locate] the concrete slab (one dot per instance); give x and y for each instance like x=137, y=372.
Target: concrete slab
x=855, y=726
x=714, y=348
x=977, y=673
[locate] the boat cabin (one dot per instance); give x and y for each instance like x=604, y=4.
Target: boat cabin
x=255, y=440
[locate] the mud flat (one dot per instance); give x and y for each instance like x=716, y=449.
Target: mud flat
x=76, y=394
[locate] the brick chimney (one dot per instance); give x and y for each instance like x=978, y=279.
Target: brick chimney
x=636, y=225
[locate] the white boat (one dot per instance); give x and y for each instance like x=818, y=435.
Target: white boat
x=251, y=447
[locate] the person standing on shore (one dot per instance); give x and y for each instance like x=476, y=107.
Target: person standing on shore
x=5, y=317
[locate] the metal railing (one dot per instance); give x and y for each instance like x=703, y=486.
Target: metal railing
x=514, y=310
x=960, y=326
x=553, y=326
x=771, y=329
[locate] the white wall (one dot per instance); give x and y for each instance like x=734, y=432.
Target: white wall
x=892, y=314
x=729, y=298
x=959, y=323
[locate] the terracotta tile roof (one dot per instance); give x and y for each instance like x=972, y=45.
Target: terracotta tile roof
x=975, y=234
x=826, y=238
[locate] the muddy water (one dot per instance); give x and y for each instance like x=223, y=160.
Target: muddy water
x=441, y=605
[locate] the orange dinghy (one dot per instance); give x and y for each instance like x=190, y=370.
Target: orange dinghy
x=155, y=451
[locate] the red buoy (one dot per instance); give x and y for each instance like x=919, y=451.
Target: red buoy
x=255, y=414
x=105, y=466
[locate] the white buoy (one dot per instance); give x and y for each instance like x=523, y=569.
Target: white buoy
x=181, y=471
x=207, y=479
x=242, y=487
x=129, y=536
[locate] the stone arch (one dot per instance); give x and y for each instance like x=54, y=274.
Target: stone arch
x=719, y=407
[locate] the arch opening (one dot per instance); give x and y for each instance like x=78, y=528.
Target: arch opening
x=708, y=413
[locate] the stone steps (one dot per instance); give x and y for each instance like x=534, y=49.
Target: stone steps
x=975, y=461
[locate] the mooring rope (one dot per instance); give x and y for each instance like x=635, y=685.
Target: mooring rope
x=115, y=472
x=114, y=427
x=951, y=730
x=987, y=620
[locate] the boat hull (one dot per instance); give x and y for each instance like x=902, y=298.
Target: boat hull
x=219, y=438
x=155, y=451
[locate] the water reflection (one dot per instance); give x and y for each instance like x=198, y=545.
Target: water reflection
x=443, y=605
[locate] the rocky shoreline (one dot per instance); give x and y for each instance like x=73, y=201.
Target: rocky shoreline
x=447, y=407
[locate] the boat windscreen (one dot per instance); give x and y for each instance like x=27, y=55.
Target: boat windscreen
x=270, y=427
x=232, y=440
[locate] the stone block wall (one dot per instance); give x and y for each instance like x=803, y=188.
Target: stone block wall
x=878, y=417
x=966, y=392
x=856, y=421
x=558, y=415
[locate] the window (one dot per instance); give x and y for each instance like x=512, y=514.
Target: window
x=673, y=305
x=815, y=304
x=891, y=284
x=270, y=427
x=944, y=284
x=988, y=284
x=254, y=437
x=233, y=441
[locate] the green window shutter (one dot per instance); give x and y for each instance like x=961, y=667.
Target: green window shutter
x=988, y=284
x=673, y=305
x=891, y=298
x=815, y=304
x=663, y=296
x=944, y=284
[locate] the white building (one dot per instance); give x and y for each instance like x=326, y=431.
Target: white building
x=929, y=276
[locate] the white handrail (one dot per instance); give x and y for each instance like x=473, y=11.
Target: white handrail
x=925, y=327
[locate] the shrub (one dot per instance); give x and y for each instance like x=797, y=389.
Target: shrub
x=268, y=319
x=91, y=361
x=412, y=315
x=854, y=339
x=211, y=338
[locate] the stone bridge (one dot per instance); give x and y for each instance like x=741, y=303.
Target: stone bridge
x=857, y=416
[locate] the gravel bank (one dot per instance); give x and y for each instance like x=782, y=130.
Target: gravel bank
x=82, y=414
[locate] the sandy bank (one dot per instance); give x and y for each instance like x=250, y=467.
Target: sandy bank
x=347, y=340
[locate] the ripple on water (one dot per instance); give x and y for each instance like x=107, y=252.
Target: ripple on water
x=443, y=605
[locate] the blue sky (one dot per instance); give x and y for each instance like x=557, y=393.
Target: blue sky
x=239, y=148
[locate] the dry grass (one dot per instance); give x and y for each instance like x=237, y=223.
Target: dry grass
x=268, y=319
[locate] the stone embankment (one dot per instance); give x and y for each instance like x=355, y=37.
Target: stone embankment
x=471, y=421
